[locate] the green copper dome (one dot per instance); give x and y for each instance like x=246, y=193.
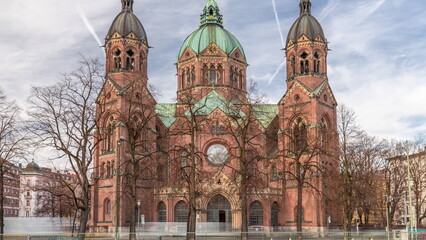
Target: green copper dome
x=211, y=31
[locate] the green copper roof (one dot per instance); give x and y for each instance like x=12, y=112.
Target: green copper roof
x=265, y=113
x=211, y=31
x=211, y=102
x=166, y=112
x=211, y=14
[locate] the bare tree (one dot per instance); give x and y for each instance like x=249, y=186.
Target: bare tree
x=63, y=116
x=247, y=133
x=348, y=131
x=140, y=163
x=186, y=155
x=11, y=145
x=308, y=156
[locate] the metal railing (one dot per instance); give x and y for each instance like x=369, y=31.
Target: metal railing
x=382, y=235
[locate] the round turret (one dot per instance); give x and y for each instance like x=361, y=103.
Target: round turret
x=126, y=22
x=306, y=25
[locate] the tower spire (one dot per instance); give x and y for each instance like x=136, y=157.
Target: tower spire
x=305, y=7
x=127, y=5
x=211, y=14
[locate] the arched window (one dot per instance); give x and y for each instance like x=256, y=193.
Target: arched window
x=107, y=207
x=183, y=79
x=109, y=139
x=256, y=214
x=293, y=65
x=102, y=170
x=181, y=212
x=300, y=135
x=274, y=214
x=162, y=213
x=323, y=138
x=192, y=76
x=206, y=74
x=188, y=77
x=141, y=61
x=117, y=59
x=130, y=60
x=316, y=63
x=212, y=75
x=108, y=170
x=304, y=63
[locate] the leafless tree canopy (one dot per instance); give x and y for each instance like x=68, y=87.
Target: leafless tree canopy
x=12, y=142
x=63, y=116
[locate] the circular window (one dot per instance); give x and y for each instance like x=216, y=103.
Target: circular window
x=217, y=154
x=297, y=98
x=108, y=96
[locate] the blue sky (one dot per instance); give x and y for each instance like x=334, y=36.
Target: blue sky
x=377, y=62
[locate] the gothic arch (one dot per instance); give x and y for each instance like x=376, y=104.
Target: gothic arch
x=181, y=211
x=107, y=208
x=256, y=213
x=161, y=212
x=220, y=191
x=130, y=54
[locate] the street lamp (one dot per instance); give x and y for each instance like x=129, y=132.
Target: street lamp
x=387, y=198
x=407, y=150
x=139, y=221
x=117, y=187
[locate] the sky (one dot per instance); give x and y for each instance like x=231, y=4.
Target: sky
x=376, y=65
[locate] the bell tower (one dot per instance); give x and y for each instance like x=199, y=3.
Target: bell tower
x=307, y=114
x=124, y=103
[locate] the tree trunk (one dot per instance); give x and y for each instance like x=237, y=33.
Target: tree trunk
x=244, y=212
x=133, y=196
x=1, y=202
x=84, y=218
x=192, y=194
x=299, y=218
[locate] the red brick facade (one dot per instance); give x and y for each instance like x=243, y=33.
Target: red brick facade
x=212, y=88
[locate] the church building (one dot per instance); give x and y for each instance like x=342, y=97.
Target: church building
x=219, y=149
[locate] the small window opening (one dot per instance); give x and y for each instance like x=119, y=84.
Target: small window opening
x=304, y=64
x=211, y=12
x=130, y=60
x=316, y=63
x=117, y=59
x=293, y=65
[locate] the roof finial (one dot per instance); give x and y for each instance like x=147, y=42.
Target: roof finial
x=127, y=5
x=211, y=13
x=305, y=7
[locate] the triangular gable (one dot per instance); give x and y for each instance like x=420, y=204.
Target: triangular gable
x=187, y=54
x=297, y=84
x=237, y=54
x=213, y=50
x=325, y=87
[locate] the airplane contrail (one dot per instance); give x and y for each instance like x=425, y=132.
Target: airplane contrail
x=90, y=28
x=282, y=42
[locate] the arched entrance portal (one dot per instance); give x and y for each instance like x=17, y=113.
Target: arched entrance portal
x=219, y=212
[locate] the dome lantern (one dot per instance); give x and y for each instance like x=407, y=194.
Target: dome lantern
x=305, y=7
x=211, y=14
x=127, y=5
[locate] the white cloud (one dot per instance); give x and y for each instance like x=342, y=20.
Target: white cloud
x=376, y=64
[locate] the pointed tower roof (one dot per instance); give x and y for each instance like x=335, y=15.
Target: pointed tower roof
x=211, y=14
